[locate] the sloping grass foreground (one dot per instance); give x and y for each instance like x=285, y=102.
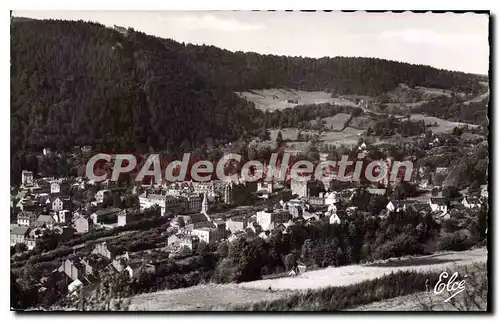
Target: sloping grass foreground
x=339, y=298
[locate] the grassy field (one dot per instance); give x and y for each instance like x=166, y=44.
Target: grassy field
x=286, y=133
x=224, y=297
x=361, y=122
x=346, y=275
x=200, y=297
x=349, y=136
x=336, y=122
x=276, y=99
x=473, y=298
x=444, y=126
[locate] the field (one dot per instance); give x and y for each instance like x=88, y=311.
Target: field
x=200, y=297
x=214, y=296
x=336, y=122
x=276, y=99
x=444, y=126
x=361, y=122
x=286, y=133
x=347, y=275
x=349, y=136
x=413, y=302
x=473, y=298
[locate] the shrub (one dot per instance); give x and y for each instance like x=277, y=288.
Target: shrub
x=456, y=241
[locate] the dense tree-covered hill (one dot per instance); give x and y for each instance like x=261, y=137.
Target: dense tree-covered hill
x=75, y=83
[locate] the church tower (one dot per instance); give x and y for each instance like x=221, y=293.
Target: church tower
x=228, y=197
x=204, y=204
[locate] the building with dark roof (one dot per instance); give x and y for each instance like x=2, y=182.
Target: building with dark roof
x=18, y=234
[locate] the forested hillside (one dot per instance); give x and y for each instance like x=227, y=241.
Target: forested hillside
x=75, y=83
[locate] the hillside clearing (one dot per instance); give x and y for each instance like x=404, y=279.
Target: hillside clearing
x=443, y=125
x=200, y=297
x=346, y=275
x=336, y=122
x=223, y=296
x=276, y=99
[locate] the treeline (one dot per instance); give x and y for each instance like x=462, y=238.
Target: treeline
x=337, y=298
x=391, y=126
x=359, y=238
x=300, y=116
x=454, y=109
x=79, y=83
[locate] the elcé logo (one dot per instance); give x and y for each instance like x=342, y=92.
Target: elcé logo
x=453, y=287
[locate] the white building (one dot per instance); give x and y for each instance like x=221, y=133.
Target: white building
x=147, y=200
x=81, y=225
x=438, y=204
x=59, y=203
x=100, y=195
x=55, y=187
x=330, y=198
x=300, y=187
x=27, y=178
x=334, y=219
x=269, y=219
x=26, y=218
x=236, y=224
x=471, y=202
x=122, y=218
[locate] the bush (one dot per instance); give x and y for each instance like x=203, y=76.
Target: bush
x=456, y=241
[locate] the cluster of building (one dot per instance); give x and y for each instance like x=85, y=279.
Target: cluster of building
x=191, y=229
x=86, y=271
x=440, y=207
x=186, y=196
x=42, y=205
x=45, y=204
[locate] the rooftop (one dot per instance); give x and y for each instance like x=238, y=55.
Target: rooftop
x=107, y=211
x=438, y=200
x=19, y=230
x=45, y=219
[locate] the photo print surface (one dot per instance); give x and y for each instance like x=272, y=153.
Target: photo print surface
x=249, y=161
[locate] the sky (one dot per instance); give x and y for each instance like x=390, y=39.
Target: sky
x=448, y=41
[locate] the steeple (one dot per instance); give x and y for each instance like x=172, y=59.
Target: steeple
x=204, y=204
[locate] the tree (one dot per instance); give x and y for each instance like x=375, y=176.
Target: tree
x=451, y=192
x=279, y=138
x=307, y=248
x=474, y=188
x=289, y=261
x=20, y=247
x=109, y=295
x=340, y=257
x=330, y=255
x=244, y=261
x=265, y=135
x=300, y=137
